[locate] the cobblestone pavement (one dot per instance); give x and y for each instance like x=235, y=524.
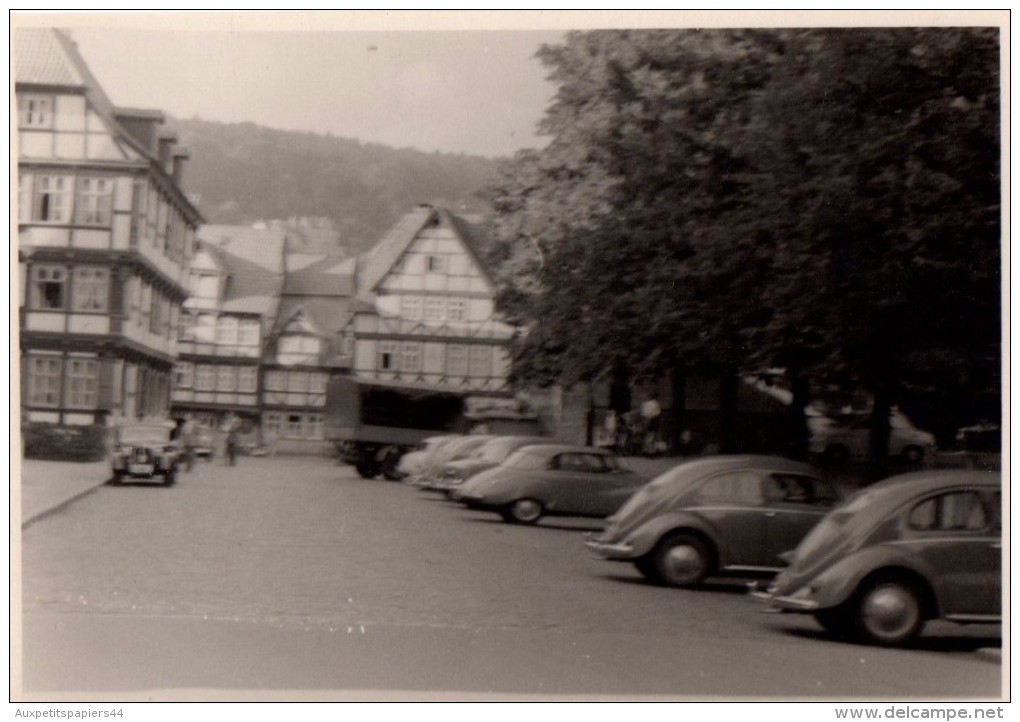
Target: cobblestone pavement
x=304, y=544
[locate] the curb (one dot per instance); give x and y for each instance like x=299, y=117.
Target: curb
x=59, y=506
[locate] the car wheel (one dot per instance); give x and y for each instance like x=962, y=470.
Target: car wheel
x=367, y=468
x=524, y=511
x=913, y=455
x=388, y=464
x=837, y=455
x=646, y=565
x=682, y=560
x=888, y=612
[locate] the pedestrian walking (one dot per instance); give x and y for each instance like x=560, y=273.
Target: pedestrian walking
x=188, y=443
x=232, y=441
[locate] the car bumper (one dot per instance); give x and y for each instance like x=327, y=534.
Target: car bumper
x=610, y=550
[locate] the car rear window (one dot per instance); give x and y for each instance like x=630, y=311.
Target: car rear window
x=743, y=487
x=954, y=511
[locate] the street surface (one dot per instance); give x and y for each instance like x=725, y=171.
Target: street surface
x=295, y=574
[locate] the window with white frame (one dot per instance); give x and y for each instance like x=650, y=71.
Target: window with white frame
x=91, y=289
x=95, y=201
x=456, y=360
x=456, y=309
x=388, y=355
x=410, y=307
x=44, y=374
x=52, y=199
x=248, y=332
x=294, y=426
x=35, y=111
x=49, y=288
x=297, y=382
x=226, y=330
x=410, y=357
x=247, y=379
x=435, y=308
x=82, y=383
x=313, y=426
x=317, y=383
x=226, y=379
x=184, y=375
x=205, y=377
x=271, y=422
x=481, y=361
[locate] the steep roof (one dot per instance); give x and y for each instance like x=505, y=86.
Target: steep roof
x=320, y=276
x=261, y=246
x=377, y=262
x=250, y=288
x=327, y=315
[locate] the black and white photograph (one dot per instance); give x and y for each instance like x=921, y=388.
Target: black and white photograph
x=491, y=356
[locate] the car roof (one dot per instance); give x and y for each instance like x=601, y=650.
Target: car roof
x=712, y=464
x=562, y=449
x=905, y=486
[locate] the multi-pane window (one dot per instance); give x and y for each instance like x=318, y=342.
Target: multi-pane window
x=410, y=307
x=456, y=309
x=271, y=422
x=388, y=355
x=456, y=360
x=226, y=330
x=158, y=307
x=95, y=201
x=49, y=288
x=247, y=379
x=184, y=375
x=297, y=382
x=276, y=381
x=313, y=426
x=294, y=426
x=35, y=111
x=317, y=383
x=226, y=378
x=481, y=361
x=52, y=198
x=435, y=308
x=82, y=383
x=205, y=377
x=91, y=289
x=411, y=357
x=44, y=381
x=248, y=332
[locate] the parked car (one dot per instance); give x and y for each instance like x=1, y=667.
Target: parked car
x=145, y=451
x=716, y=513
x=414, y=462
x=915, y=547
x=848, y=438
x=459, y=448
x=491, y=453
x=203, y=444
x=552, y=479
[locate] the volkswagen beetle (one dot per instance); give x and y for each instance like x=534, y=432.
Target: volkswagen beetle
x=915, y=547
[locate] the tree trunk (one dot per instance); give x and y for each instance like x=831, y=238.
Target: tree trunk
x=728, y=388
x=878, y=456
x=678, y=408
x=797, y=433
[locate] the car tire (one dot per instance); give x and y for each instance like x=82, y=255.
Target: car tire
x=646, y=565
x=837, y=455
x=682, y=560
x=837, y=621
x=888, y=612
x=367, y=468
x=524, y=511
x=388, y=464
x=913, y=455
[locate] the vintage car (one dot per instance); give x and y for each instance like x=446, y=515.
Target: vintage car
x=915, y=547
x=719, y=513
x=459, y=448
x=145, y=451
x=840, y=439
x=203, y=444
x=491, y=453
x=552, y=479
x=413, y=463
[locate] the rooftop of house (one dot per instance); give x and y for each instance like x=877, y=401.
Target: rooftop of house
x=262, y=246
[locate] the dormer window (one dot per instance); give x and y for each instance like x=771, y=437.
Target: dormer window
x=35, y=111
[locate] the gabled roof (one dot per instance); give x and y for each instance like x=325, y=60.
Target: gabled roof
x=378, y=262
x=260, y=246
x=329, y=316
x=249, y=287
x=322, y=276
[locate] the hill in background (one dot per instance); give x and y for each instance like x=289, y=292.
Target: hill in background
x=242, y=173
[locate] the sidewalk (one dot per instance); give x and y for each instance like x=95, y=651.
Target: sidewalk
x=48, y=485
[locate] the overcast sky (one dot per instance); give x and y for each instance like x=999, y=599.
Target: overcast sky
x=471, y=92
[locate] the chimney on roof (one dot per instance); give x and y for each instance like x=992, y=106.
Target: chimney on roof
x=167, y=140
x=180, y=157
x=141, y=124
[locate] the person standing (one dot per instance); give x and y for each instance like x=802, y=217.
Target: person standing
x=188, y=443
x=232, y=441
x=651, y=416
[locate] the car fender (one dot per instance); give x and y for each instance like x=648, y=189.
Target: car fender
x=647, y=536
x=837, y=583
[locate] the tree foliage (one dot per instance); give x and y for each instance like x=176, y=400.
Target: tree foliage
x=822, y=200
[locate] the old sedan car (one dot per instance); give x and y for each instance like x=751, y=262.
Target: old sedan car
x=413, y=463
x=491, y=453
x=460, y=448
x=848, y=438
x=203, y=445
x=145, y=451
x=552, y=479
x=718, y=513
x=919, y=546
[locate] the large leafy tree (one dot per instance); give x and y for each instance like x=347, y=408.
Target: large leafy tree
x=822, y=200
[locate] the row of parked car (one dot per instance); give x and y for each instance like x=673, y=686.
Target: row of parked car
x=874, y=567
